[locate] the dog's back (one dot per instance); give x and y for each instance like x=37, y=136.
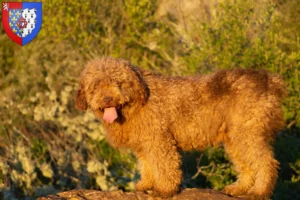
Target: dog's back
x=206, y=108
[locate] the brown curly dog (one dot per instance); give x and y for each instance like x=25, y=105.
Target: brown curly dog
x=156, y=116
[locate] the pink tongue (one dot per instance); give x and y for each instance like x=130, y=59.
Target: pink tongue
x=110, y=114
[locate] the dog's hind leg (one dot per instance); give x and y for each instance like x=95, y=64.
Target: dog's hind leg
x=245, y=177
x=266, y=168
x=253, y=158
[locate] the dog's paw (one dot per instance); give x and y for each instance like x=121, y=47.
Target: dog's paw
x=258, y=194
x=234, y=190
x=164, y=192
x=143, y=185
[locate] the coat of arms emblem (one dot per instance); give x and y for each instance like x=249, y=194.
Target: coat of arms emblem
x=22, y=21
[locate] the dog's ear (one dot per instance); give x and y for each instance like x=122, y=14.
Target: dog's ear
x=80, y=100
x=142, y=96
x=140, y=86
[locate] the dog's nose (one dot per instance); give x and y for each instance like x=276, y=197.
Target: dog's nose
x=107, y=99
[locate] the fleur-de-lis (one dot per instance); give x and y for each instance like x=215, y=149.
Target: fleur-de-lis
x=14, y=19
x=18, y=13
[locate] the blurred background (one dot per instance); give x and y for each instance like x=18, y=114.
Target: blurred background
x=46, y=145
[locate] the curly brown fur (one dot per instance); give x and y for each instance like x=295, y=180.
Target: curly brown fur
x=159, y=115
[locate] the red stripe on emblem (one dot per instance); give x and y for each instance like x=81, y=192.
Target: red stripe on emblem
x=14, y=5
x=5, y=21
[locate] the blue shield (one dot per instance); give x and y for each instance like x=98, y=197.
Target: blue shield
x=22, y=21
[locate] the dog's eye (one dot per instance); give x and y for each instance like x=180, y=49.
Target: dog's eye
x=124, y=85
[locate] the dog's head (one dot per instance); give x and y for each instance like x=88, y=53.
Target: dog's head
x=110, y=87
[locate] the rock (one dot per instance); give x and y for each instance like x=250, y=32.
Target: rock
x=186, y=194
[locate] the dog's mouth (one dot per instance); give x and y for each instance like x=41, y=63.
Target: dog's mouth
x=110, y=113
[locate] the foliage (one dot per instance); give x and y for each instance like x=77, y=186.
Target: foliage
x=46, y=145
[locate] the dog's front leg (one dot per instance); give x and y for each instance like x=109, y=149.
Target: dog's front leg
x=165, y=162
x=147, y=177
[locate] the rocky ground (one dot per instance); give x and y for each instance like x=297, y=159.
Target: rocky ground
x=186, y=194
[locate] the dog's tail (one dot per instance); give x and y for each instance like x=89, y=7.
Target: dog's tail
x=277, y=91
x=277, y=87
